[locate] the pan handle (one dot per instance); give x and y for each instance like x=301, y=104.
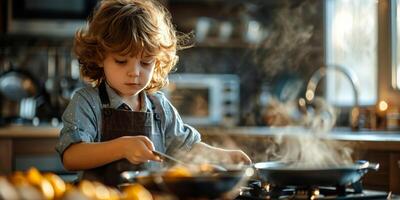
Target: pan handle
x=373, y=166
x=366, y=165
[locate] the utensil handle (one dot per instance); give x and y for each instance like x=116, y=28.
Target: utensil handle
x=165, y=156
x=373, y=166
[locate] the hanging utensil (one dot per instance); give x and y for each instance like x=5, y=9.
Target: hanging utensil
x=18, y=84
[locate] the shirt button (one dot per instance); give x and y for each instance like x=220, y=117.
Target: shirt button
x=107, y=112
x=157, y=116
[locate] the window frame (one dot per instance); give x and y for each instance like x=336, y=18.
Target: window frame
x=386, y=58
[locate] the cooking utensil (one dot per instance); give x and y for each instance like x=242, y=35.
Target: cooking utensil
x=21, y=91
x=279, y=173
x=150, y=180
x=213, y=167
x=199, y=185
x=208, y=186
x=18, y=84
x=166, y=156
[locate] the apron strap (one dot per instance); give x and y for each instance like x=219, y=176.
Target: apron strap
x=105, y=101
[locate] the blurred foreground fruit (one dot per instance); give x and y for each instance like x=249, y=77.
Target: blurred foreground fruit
x=36, y=179
x=37, y=186
x=177, y=171
x=136, y=192
x=7, y=190
x=57, y=183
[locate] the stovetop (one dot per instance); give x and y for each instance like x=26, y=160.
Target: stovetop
x=256, y=190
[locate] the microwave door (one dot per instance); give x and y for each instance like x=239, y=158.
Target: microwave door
x=205, y=99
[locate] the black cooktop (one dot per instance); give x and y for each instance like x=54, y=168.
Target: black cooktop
x=256, y=190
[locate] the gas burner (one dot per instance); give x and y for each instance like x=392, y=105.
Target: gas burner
x=256, y=190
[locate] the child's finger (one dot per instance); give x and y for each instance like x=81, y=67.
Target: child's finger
x=158, y=159
x=152, y=156
x=149, y=144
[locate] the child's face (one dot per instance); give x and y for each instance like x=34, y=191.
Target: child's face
x=128, y=75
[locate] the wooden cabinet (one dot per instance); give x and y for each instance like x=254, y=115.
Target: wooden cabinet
x=387, y=154
x=22, y=148
x=387, y=178
x=5, y=156
x=394, y=175
x=22, y=153
x=19, y=154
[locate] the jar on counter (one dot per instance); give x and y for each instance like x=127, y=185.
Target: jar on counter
x=393, y=121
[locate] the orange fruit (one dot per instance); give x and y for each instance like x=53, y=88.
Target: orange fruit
x=18, y=178
x=136, y=191
x=87, y=188
x=177, y=171
x=57, y=183
x=36, y=179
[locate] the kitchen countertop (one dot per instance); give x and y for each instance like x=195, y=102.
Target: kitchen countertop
x=337, y=133
x=18, y=131
x=25, y=131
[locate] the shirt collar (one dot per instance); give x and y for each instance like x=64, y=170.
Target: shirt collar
x=116, y=101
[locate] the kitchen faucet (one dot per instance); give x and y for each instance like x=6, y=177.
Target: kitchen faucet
x=312, y=84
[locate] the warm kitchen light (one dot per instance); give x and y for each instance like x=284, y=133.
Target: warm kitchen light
x=383, y=106
x=309, y=95
x=302, y=102
x=249, y=172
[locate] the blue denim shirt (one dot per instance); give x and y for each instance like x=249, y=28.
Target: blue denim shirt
x=82, y=120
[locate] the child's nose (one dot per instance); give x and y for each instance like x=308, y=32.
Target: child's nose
x=134, y=70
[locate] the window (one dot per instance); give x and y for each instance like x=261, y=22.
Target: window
x=351, y=34
x=395, y=35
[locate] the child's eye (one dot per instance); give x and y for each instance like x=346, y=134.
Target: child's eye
x=147, y=63
x=120, y=61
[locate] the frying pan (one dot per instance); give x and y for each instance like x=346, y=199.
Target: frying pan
x=278, y=173
x=148, y=179
x=207, y=185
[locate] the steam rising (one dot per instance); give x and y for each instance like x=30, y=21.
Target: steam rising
x=307, y=150
x=309, y=147
x=301, y=140
x=290, y=44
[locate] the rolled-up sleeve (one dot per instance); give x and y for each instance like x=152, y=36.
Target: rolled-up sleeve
x=79, y=123
x=179, y=136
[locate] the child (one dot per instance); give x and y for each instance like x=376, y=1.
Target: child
x=126, y=52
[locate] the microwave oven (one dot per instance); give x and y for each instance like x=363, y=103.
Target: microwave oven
x=47, y=17
x=205, y=99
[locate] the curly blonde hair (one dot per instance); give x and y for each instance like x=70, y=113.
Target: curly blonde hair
x=128, y=27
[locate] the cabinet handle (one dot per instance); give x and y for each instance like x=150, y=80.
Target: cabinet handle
x=398, y=163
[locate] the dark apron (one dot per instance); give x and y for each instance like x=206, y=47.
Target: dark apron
x=117, y=123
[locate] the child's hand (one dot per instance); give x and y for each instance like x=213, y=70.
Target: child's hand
x=138, y=149
x=238, y=156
